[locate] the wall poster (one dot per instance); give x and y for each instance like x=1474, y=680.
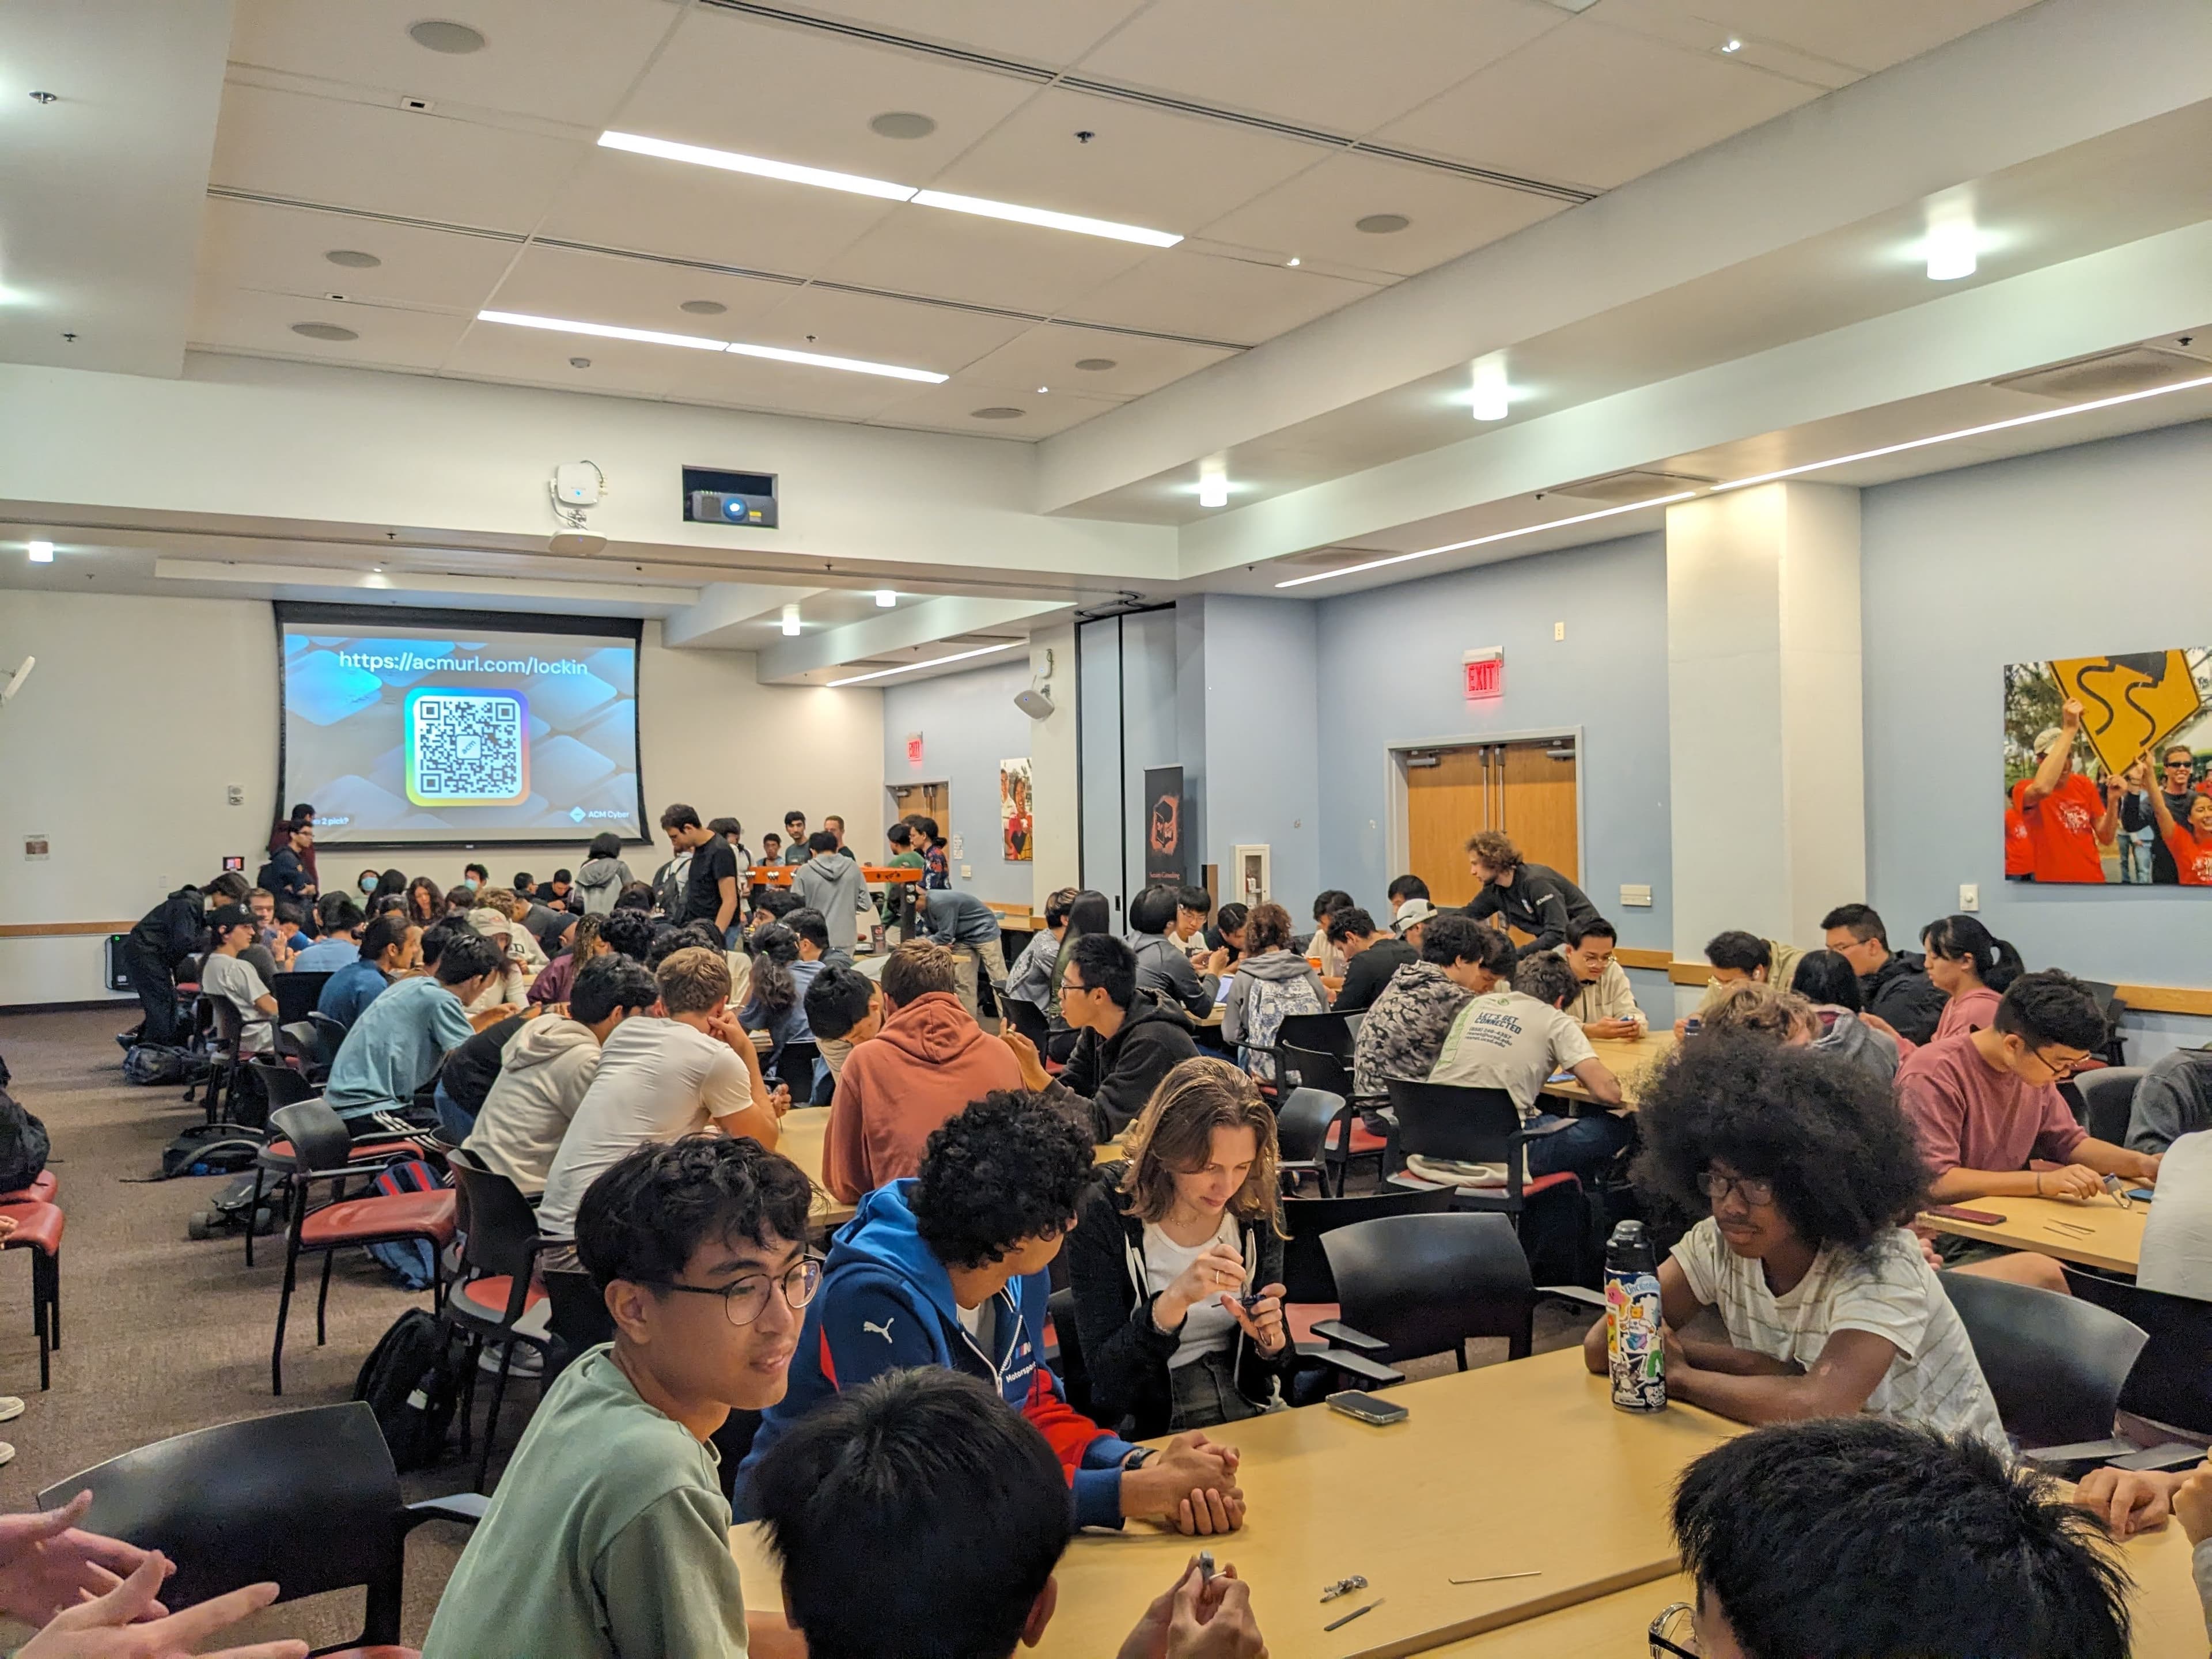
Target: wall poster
x=1166, y=858
x=1016, y=830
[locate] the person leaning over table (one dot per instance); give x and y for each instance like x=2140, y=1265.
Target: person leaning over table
x=1533, y=897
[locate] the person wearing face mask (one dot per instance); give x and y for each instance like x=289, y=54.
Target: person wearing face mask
x=1165, y=1247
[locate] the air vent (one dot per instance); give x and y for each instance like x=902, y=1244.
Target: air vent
x=2108, y=375
x=1616, y=488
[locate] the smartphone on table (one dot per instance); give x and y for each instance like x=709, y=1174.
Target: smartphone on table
x=1366, y=1407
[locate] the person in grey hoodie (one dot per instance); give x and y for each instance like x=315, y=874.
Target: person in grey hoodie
x=1405, y=1030
x=834, y=886
x=1162, y=965
x=603, y=875
x=1272, y=982
x=548, y=1067
x=2173, y=1099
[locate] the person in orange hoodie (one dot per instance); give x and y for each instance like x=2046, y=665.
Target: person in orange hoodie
x=927, y=1063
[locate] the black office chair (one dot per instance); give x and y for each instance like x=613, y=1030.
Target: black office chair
x=794, y=1069
x=1309, y=1297
x=1303, y=1127
x=1074, y=1375
x=2108, y=1097
x=499, y=1246
x=2054, y=1363
x=1326, y=1034
x=2171, y=1382
x=296, y=993
x=1027, y=1018
x=308, y=1500
x=579, y=1318
x=1424, y=1284
x=2108, y=1000
x=1467, y=1125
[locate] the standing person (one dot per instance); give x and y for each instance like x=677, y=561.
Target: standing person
x=1604, y=1006
x=2188, y=844
x=834, y=887
x=164, y=938
x=1165, y=1244
x=668, y=881
x=835, y=825
x=286, y=875
x=2067, y=816
x=280, y=836
x=905, y=854
x=771, y=847
x=1405, y=1030
x=1892, y=985
x=937, y=867
x=1532, y=897
x=1370, y=957
x=1272, y=982
x=797, y=848
x=1127, y=1040
x=608, y=1537
x=602, y=875
x=222, y=975
x=969, y=928
x=388, y=947
x=710, y=880
x=1162, y=964
x=1972, y=967
x=2176, y=767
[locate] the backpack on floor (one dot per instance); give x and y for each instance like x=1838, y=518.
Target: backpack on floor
x=413, y=1381
x=156, y=1062
x=207, y=1150
x=412, y=1260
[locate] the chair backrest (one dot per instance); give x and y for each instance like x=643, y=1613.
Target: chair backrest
x=794, y=1066
x=330, y=1031
x=281, y=1084
x=2054, y=1363
x=1306, y=1275
x=579, y=1315
x=498, y=1226
x=2108, y=1095
x=296, y=993
x=1302, y=1124
x=1313, y=1068
x=1424, y=1284
x=308, y=1499
x=1074, y=1374
x=2114, y=1010
x=229, y=1025
x=1325, y=1034
x=1443, y=1119
x=1027, y=1018
x=2172, y=1379
x=319, y=1135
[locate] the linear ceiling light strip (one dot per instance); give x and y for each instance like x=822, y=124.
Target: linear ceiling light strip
x=934, y=662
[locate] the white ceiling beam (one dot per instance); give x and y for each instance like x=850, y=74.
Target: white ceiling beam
x=308, y=580
x=907, y=629
x=722, y=618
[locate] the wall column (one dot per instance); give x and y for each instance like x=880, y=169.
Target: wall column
x=1764, y=732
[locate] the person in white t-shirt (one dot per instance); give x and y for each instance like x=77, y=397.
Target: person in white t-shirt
x=222, y=975
x=1516, y=1040
x=661, y=1078
x=1807, y=1171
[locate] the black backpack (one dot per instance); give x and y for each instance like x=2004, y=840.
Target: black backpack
x=413, y=1381
x=22, y=1145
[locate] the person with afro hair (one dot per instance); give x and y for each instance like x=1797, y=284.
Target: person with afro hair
x=1806, y=1173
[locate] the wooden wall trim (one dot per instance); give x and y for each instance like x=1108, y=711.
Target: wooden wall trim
x=2139, y=999
x=1628, y=957
x=62, y=929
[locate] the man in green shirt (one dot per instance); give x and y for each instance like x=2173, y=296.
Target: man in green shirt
x=903, y=855
x=609, y=1536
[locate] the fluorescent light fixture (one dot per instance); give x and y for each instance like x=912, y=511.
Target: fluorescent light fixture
x=934, y=662
x=1213, y=487
x=790, y=622
x=759, y=166
x=1490, y=397
x=700, y=343
x=40, y=552
x=1967, y=432
x=1485, y=541
x=1952, y=243
x=885, y=598
x=1291, y=264
x=789, y=173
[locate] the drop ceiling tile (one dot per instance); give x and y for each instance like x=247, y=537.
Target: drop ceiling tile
x=883, y=331
x=1057, y=34
x=1141, y=165
x=1341, y=67
x=564, y=60
x=1679, y=23
x=389, y=160
x=1178, y=292
x=1313, y=216
x=990, y=262
x=247, y=244
x=951, y=408
x=499, y=351
x=1047, y=354
x=785, y=388
x=248, y=319
x=1865, y=34
x=599, y=287
x=808, y=97
x=1596, y=106
x=623, y=200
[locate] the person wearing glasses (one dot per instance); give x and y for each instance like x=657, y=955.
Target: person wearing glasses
x=1987, y=1107
x=609, y=1538
x=2177, y=769
x=1884, y=1541
x=1808, y=1173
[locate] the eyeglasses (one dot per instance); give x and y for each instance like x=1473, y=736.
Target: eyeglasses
x=745, y=1299
x=1755, y=1190
x=1674, y=1633
x=1068, y=987
x=2059, y=1069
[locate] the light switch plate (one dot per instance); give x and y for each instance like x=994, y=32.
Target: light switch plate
x=1970, y=896
x=967, y=871
x=1559, y=630
x=1637, y=897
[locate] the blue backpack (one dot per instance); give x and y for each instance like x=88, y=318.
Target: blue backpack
x=412, y=1261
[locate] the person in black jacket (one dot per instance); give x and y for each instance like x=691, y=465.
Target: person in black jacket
x=1164, y=1250
x=286, y=875
x=1127, y=1040
x=166, y=935
x=1533, y=898
x=1370, y=956
x=1893, y=986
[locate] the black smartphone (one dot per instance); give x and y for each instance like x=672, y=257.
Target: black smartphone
x=1366, y=1407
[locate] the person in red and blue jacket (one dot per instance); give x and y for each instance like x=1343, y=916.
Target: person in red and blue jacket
x=949, y=1268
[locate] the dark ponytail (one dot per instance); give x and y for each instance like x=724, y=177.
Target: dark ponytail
x=774, y=949
x=1995, y=964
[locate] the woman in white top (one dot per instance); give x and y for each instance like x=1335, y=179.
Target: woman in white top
x=1807, y=1171
x=1176, y=1260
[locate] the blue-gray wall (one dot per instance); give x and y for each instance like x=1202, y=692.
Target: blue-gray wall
x=1263, y=740
x=969, y=723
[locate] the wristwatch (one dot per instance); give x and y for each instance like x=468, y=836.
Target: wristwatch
x=1139, y=1458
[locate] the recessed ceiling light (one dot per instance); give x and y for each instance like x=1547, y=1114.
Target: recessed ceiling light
x=1044, y=388
x=700, y=343
x=1291, y=264
x=703, y=307
x=790, y=622
x=1731, y=45
x=324, y=331
x=934, y=662
x=855, y=183
x=1096, y=365
x=885, y=598
x=1490, y=397
x=1953, y=244
x=40, y=552
x=437, y=34
x=579, y=362
x=353, y=258
x=902, y=124
x=1214, y=486
x=1382, y=224
x=998, y=412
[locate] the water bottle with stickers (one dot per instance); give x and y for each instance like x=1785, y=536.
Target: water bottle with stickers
x=1632, y=1342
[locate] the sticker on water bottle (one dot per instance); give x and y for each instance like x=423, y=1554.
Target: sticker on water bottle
x=1633, y=1343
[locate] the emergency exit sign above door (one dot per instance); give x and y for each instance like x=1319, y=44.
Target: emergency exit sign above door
x=1485, y=673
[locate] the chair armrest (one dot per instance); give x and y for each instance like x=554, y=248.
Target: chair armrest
x=1341, y=1335
x=368, y=1166
x=1581, y=1293
x=1359, y=1366
x=466, y=1507
x=2172, y=1455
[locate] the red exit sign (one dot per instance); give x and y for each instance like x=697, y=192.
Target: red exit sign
x=1485, y=673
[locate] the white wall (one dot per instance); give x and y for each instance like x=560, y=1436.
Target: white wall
x=143, y=710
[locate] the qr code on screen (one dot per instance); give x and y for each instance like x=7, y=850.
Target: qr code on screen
x=466, y=748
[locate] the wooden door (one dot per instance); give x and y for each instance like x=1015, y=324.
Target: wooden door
x=930, y=800
x=1445, y=804
x=1534, y=804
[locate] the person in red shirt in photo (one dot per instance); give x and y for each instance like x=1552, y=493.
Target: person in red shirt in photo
x=2019, y=845
x=2190, y=843
x=2067, y=818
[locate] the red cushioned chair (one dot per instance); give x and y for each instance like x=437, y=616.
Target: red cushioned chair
x=323, y=1146
x=307, y=1499
x=1467, y=1125
x=1329, y=1070
x=499, y=1243
x=39, y=1229
x=43, y=1189
x=282, y=1085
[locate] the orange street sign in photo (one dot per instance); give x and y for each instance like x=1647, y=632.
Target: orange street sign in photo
x=2129, y=701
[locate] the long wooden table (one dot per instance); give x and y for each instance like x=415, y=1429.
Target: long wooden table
x=2051, y=1226
x=1631, y=1060
x=803, y=1130
x=1509, y=1467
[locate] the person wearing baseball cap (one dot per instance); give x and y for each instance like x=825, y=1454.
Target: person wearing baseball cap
x=223, y=975
x=1411, y=916
x=2067, y=818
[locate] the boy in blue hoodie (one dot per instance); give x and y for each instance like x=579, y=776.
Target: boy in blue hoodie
x=949, y=1268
